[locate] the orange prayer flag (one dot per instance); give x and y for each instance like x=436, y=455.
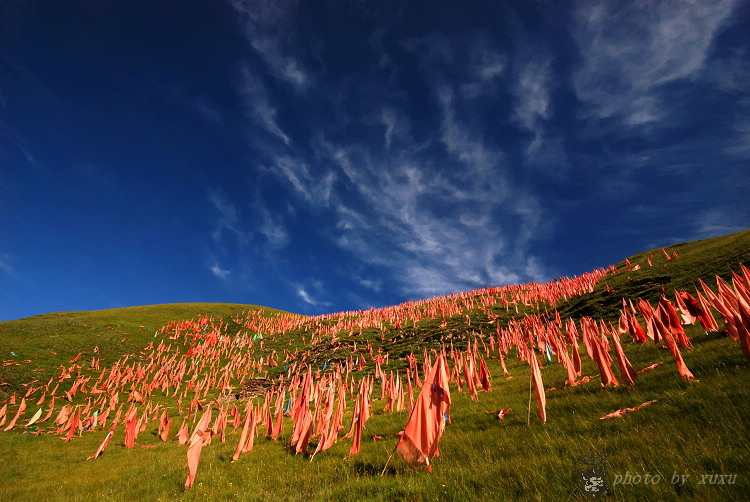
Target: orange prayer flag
x=251, y=434
x=276, y=430
x=681, y=366
x=305, y=432
x=501, y=414
x=20, y=411
x=649, y=368
x=536, y=376
x=102, y=446
x=673, y=322
x=422, y=432
x=623, y=411
x=243, y=437
x=627, y=373
x=131, y=429
x=165, y=430
x=362, y=415
x=600, y=358
x=195, y=446
x=182, y=433
x=73, y=427
x=484, y=375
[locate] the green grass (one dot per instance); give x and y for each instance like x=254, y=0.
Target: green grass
x=692, y=429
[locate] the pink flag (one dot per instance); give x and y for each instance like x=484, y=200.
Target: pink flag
x=422, y=432
x=20, y=411
x=103, y=445
x=131, y=429
x=243, y=436
x=195, y=446
x=627, y=373
x=536, y=376
x=623, y=411
x=363, y=414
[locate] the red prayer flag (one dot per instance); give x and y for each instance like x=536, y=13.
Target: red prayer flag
x=195, y=446
x=422, y=432
x=103, y=445
x=536, y=376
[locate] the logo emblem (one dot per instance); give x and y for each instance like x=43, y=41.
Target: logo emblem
x=592, y=479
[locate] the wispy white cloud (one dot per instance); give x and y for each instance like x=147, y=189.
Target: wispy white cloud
x=491, y=65
x=437, y=216
x=258, y=105
x=547, y=154
x=312, y=298
x=203, y=106
x=273, y=229
x=305, y=296
x=396, y=126
x=270, y=30
x=532, y=92
x=206, y=108
x=720, y=220
x=468, y=146
x=5, y=265
x=228, y=219
x=436, y=232
x=485, y=67
x=740, y=146
x=629, y=50
x=533, y=84
x=313, y=186
x=442, y=215
x=373, y=284
x=219, y=272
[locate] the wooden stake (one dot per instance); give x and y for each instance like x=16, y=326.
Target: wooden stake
x=389, y=460
x=528, y=421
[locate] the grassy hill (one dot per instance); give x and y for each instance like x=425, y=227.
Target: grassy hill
x=694, y=432
x=50, y=339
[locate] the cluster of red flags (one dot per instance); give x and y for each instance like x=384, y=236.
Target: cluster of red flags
x=214, y=360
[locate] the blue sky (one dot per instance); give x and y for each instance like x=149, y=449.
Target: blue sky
x=321, y=156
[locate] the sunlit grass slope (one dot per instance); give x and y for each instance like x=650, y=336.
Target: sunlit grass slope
x=694, y=432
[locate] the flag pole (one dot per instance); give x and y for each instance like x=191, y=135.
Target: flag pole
x=399, y=439
x=389, y=459
x=531, y=375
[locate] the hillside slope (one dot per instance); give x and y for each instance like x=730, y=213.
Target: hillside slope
x=48, y=339
x=690, y=440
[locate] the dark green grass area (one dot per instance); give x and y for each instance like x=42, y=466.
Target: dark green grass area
x=692, y=430
x=702, y=259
